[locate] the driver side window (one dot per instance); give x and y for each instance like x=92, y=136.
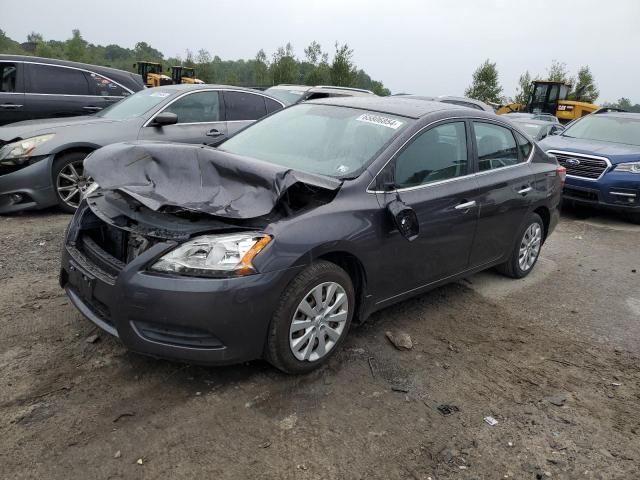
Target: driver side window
x=199, y=107
x=438, y=154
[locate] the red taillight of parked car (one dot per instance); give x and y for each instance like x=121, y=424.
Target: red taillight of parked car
x=562, y=173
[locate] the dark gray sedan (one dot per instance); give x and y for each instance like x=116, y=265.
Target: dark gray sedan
x=41, y=160
x=314, y=217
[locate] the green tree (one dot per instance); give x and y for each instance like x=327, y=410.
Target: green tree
x=76, y=47
x=485, y=85
x=144, y=51
x=261, y=68
x=558, y=72
x=343, y=72
x=585, y=89
x=524, y=88
x=284, y=67
x=204, y=69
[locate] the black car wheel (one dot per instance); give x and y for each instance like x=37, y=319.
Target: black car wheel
x=69, y=180
x=526, y=251
x=634, y=217
x=312, y=318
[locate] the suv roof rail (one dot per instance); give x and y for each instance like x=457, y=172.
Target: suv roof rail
x=344, y=88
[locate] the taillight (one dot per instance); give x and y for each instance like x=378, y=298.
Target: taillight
x=562, y=173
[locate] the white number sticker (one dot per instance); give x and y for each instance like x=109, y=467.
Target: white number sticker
x=380, y=120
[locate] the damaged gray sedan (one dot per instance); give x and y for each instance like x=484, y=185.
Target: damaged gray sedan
x=271, y=245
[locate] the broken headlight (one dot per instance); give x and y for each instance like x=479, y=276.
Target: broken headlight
x=214, y=255
x=19, y=153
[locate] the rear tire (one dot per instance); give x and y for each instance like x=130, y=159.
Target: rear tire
x=69, y=181
x=526, y=251
x=312, y=319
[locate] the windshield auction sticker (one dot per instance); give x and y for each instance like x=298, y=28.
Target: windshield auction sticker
x=380, y=120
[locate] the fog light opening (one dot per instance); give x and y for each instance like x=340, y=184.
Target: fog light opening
x=16, y=198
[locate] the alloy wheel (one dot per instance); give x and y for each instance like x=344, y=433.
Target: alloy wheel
x=71, y=183
x=530, y=247
x=319, y=322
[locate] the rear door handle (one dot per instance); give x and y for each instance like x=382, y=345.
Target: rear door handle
x=466, y=205
x=525, y=190
x=11, y=106
x=92, y=108
x=214, y=132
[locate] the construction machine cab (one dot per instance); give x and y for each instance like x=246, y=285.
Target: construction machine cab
x=545, y=96
x=151, y=73
x=180, y=74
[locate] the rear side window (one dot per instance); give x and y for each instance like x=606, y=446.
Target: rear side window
x=8, y=77
x=438, y=154
x=496, y=146
x=524, y=145
x=244, y=106
x=272, y=105
x=57, y=80
x=199, y=107
x=104, y=87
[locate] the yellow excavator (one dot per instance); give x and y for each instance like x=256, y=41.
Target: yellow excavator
x=551, y=97
x=152, y=75
x=181, y=74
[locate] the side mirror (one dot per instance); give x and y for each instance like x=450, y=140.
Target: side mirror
x=165, y=118
x=405, y=219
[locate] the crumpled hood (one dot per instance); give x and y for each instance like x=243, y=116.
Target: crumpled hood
x=196, y=178
x=31, y=128
x=615, y=152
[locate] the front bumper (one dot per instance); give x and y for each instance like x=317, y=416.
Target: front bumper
x=615, y=191
x=29, y=188
x=197, y=320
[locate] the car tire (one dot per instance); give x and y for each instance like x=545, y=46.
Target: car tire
x=526, y=250
x=320, y=301
x=634, y=218
x=66, y=182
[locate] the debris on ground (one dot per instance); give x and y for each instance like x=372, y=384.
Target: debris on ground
x=491, y=421
x=118, y=454
x=92, y=338
x=446, y=409
x=140, y=461
x=558, y=400
x=122, y=415
x=400, y=340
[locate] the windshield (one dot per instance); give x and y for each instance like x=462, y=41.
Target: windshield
x=135, y=105
x=532, y=129
x=323, y=139
x=287, y=96
x=606, y=129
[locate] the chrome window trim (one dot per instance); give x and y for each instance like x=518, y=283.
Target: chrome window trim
x=448, y=180
x=74, y=95
x=585, y=155
x=146, y=124
x=82, y=70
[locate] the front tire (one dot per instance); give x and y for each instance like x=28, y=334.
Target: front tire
x=526, y=251
x=634, y=218
x=312, y=319
x=69, y=180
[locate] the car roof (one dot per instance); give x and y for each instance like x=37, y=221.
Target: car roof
x=450, y=99
x=320, y=88
x=399, y=105
x=534, y=121
x=626, y=115
x=56, y=61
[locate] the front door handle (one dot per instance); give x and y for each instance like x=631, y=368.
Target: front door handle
x=214, y=132
x=466, y=205
x=12, y=106
x=524, y=190
x=91, y=108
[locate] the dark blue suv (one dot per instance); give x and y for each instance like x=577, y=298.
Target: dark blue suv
x=601, y=153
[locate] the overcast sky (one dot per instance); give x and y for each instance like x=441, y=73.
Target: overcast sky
x=423, y=47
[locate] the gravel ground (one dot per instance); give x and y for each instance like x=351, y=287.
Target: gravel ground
x=553, y=358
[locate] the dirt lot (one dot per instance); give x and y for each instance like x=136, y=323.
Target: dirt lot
x=554, y=358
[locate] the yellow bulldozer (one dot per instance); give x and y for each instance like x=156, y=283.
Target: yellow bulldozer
x=551, y=97
x=181, y=74
x=152, y=75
